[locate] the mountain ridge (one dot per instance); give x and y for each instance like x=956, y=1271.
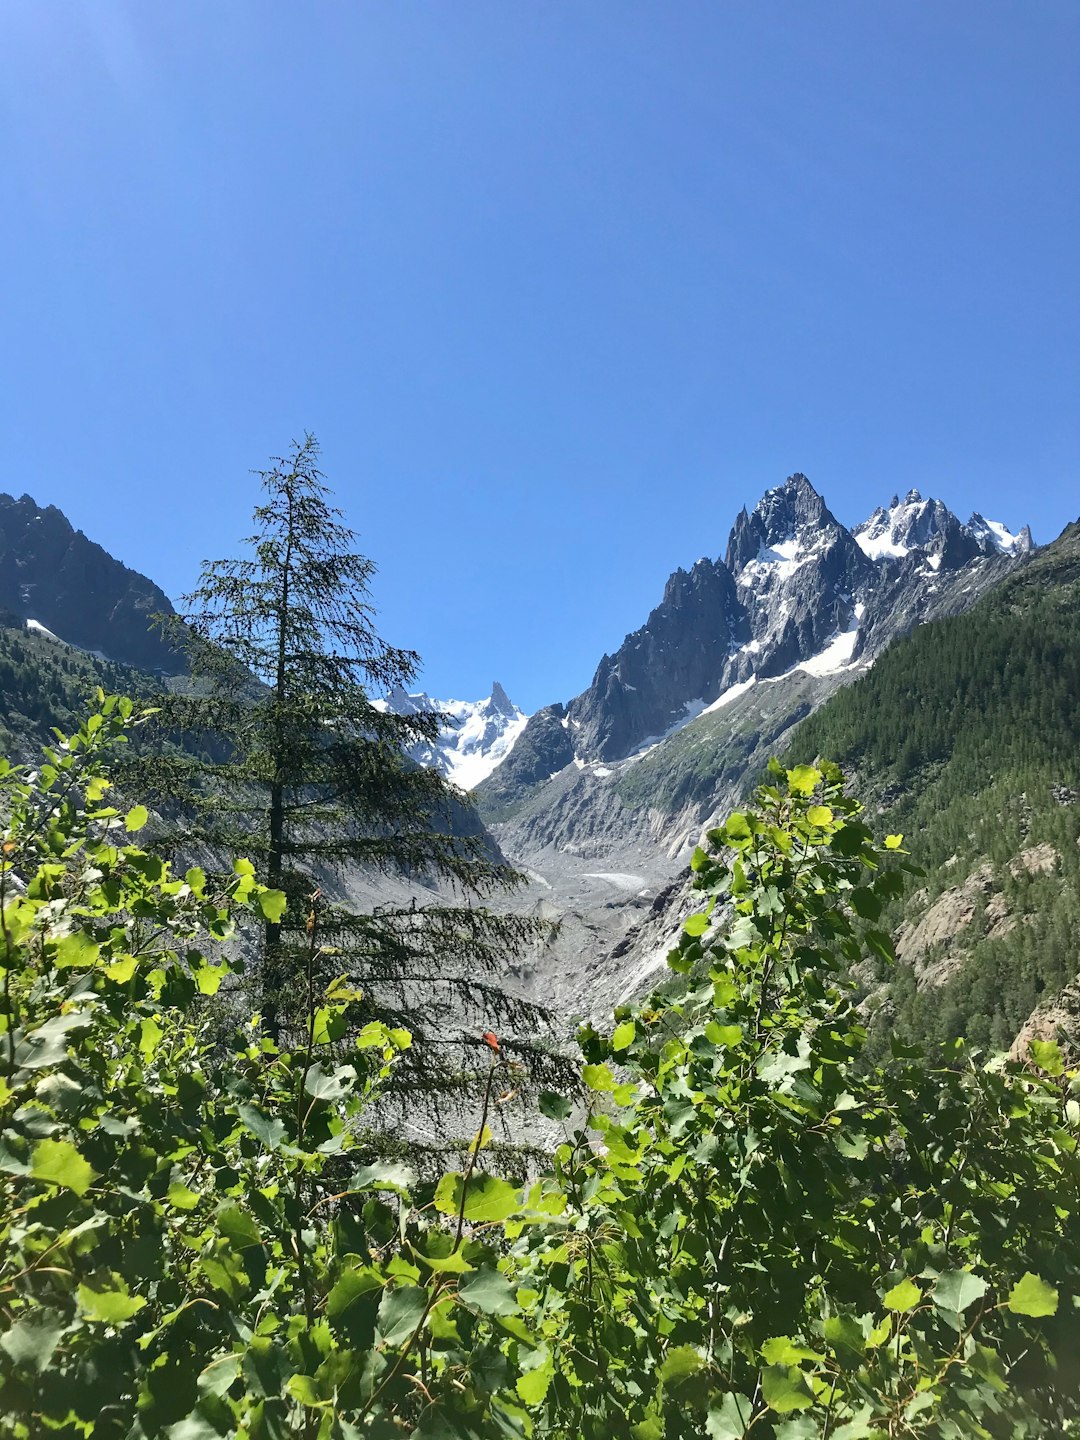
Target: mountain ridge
x=54, y=577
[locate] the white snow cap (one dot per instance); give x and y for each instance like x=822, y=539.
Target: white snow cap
x=478, y=734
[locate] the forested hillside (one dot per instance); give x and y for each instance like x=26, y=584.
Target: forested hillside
x=44, y=682
x=965, y=736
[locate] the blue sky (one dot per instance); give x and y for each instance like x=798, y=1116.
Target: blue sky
x=559, y=286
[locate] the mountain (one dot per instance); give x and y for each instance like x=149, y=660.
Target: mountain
x=602, y=796
x=965, y=737
x=478, y=734
x=58, y=581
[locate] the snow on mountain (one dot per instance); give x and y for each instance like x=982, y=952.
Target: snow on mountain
x=917, y=524
x=998, y=536
x=478, y=734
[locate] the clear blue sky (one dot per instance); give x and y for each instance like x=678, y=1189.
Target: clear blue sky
x=558, y=285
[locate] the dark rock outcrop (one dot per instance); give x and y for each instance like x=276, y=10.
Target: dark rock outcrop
x=51, y=573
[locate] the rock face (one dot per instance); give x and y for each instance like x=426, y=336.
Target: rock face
x=795, y=590
x=53, y=575
x=601, y=797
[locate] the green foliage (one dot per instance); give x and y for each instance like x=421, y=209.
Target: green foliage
x=966, y=735
x=751, y=1233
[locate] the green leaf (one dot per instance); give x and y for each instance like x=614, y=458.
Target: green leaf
x=121, y=971
x=32, y=1340
x=893, y=842
x=384, y=1175
x=955, y=1290
x=208, y=978
x=77, y=949
x=532, y=1384
x=111, y=1307
x=349, y=1286
x=489, y=1290
x=216, y=1378
x=400, y=1312
x=819, y=815
x=624, y=1034
x=59, y=1163
x=554, y=1106
x=271, y=904
x=736, y=831
x=488, y=1198
x=267, y=1129
x=1047, y=1056
x=452, y=1263
x=679, y=1362
x=865, y=903
x=307, y=1390
x=727, y=1035
x=1031, y=1295
x=782, y=1350
x=729, y=1418
x=784, y=1388
x=181, y=1198
x=843, y=1332
x=598, y=1077
x=329, y=1088
x=238, y=1227
x=195, y=1426
x=902, y=1297
x=696, y=924
x=803, y=780
x=136, y=818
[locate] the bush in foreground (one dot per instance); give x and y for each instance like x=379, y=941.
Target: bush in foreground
x=751, y=1234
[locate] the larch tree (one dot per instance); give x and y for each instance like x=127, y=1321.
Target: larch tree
x=288, y=759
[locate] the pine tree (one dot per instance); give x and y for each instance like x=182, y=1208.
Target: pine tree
x=288, y=760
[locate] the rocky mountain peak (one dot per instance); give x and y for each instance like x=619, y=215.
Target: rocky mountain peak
x=501, y=702
x=930, y=527
x=797, y=592
x=782, y=518
x=476, y=735
x=52, y=575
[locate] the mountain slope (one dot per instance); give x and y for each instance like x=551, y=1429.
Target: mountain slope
x=795, y=591
x=601, y=798
x=966, y=738
x=51, y=575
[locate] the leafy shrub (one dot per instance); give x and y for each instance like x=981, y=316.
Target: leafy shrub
x=751, y=1233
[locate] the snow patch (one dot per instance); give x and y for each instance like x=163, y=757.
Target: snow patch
x=775, y=562
x=43, y=630
x=877, y=546
x=731, y=693
x=617, y=877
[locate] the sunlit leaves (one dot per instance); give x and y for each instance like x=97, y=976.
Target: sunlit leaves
x=1031, y=1295
x=1046, y=1054
x=488, y=1198
x=784, y=1388
x=271, y=904
x=215, y=1227
x=59, y=1163
x=904, y=1296
x=110, y=1304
